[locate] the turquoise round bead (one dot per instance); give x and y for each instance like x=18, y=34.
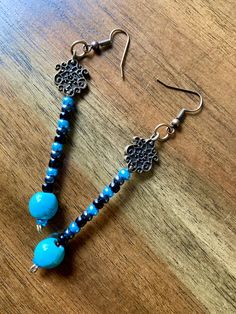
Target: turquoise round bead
x=107, y=191
x=52, y=172
x=92, y=210
x=124, y=174
x=68, y=103
x=43, y=205
x=63, y=124
x=47, y=254
x=74, y=227
x=57, y=147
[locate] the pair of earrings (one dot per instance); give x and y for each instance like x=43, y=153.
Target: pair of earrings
x=140, y=155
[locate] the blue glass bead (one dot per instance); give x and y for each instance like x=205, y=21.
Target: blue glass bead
x=52, y=172
x=107, y=191
x=43, y=205
x=57, y=147
x=47, y=254
x=68, y=103
x=56, y=150
x=74, y=227
x=63, y=124
x=92, y=210
x=124, y=174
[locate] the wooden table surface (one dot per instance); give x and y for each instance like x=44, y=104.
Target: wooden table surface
x=166, y=243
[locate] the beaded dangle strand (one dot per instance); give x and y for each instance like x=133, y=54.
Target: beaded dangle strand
x=44, y=205
x=140, y=157
x=71, y=81
x=54, y=245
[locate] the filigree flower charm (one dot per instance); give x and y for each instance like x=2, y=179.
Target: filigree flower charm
x=71, y=77
x=141, y=154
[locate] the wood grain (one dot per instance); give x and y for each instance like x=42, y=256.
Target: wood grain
x=166, y=243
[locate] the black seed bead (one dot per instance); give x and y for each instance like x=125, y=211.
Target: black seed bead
x=62, y=239
x=60, y=138
x=47, y=187
x=55, y=163
x=100, y=201
x=67, y=109
x=81, y=221
x=56, y=155
x=115, y=186
x=65, y=115
x=68, y=234
x=121, y=181
x=49, y=179
x=62, y=132
x=106, y=198
x=86, y=216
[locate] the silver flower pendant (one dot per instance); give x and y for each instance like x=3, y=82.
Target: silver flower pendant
x=141, y=154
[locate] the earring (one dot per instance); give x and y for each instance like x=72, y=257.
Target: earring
x=140, y=156
x=71, y=80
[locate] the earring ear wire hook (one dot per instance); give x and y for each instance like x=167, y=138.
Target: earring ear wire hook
x=112, y=35
x=96, y=45
x=170, y=129
x=184, y=111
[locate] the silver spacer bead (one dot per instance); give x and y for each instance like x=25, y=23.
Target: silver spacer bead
x=39, y=228
x=33, y=269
